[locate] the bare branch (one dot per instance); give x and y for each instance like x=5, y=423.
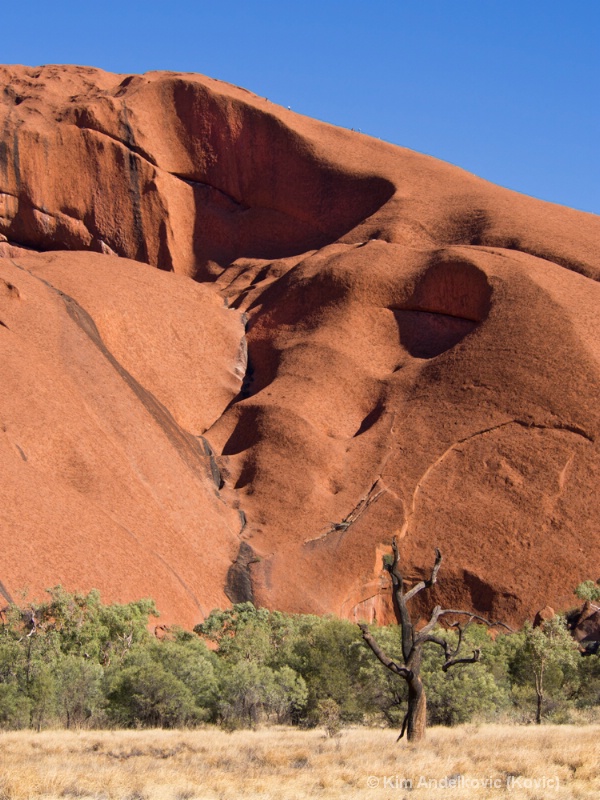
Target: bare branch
x=450, y=654
x=485, y=621
x=435, y=615
x=435, y=640
x=387, y=662
x=426, y=584
x=453, y=661
x=403, y=729
x=461, y=629
x=402, y=615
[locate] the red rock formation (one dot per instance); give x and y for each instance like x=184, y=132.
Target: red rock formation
x=584, y=624
x=543, y=615
x=423, y=358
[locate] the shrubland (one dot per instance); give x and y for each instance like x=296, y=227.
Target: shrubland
x=74, y=662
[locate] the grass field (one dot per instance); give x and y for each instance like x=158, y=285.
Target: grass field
x=520, y=762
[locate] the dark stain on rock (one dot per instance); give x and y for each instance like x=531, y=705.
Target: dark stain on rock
x=214, y=467
x=239, y=581
x=5, y=593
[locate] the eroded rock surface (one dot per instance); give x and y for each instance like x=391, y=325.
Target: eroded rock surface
x=344, y=340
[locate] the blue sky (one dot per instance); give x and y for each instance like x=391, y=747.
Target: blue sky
x=507, y=89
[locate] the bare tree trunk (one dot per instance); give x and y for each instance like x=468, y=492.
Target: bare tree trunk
x=539, y=690
x=417, y=711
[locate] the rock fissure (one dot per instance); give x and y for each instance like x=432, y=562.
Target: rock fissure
x=204, y=185
x=374, y=493
x=132, y=147
x=425, y=310
x=559, y=426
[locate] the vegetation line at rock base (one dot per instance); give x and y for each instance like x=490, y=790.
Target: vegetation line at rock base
x=74, y=662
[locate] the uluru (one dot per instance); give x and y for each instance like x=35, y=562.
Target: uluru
x=241, y=349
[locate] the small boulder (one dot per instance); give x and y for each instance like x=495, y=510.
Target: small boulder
x=545, y=615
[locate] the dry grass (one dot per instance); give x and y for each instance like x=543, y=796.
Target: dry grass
x=292, y=765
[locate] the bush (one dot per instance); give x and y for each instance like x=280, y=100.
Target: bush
x=78, y=690
x=15, y=708
x=143, y=693
x=588, y=590
x=327, y=714
x=253, y=692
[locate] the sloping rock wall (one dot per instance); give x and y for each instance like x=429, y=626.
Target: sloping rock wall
x=343, y=341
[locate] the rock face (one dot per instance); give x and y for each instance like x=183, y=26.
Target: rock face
x=584, y=624
x=241, y=349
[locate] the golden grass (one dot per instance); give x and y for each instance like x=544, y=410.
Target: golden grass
x=291, y=764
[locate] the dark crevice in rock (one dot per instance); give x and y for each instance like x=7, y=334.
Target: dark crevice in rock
x=241, y=206
x=16, y=157
x=20, y=245
x=214, y=467
x=373, y=494
x=371, y=419
x=219, y=481
x=83, y=122
x=164, y=258
x=248, y=380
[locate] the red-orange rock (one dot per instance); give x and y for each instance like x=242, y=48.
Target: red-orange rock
x=423, y=359
x=584, y=624
x=543, y=615
x=111, y=372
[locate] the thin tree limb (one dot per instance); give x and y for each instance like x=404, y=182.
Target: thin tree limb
x=385, y=660
x=435, y=615
x=454, y=661
x=489, y=623
x=426, y=584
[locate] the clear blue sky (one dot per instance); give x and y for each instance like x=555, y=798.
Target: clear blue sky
x=508, y=89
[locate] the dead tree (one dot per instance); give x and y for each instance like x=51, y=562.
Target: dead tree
x=415, y=721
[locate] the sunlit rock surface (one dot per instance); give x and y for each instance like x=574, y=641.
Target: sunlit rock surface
x=241, y=349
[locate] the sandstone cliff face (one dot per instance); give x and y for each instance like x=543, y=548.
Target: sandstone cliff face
x=343, y=340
